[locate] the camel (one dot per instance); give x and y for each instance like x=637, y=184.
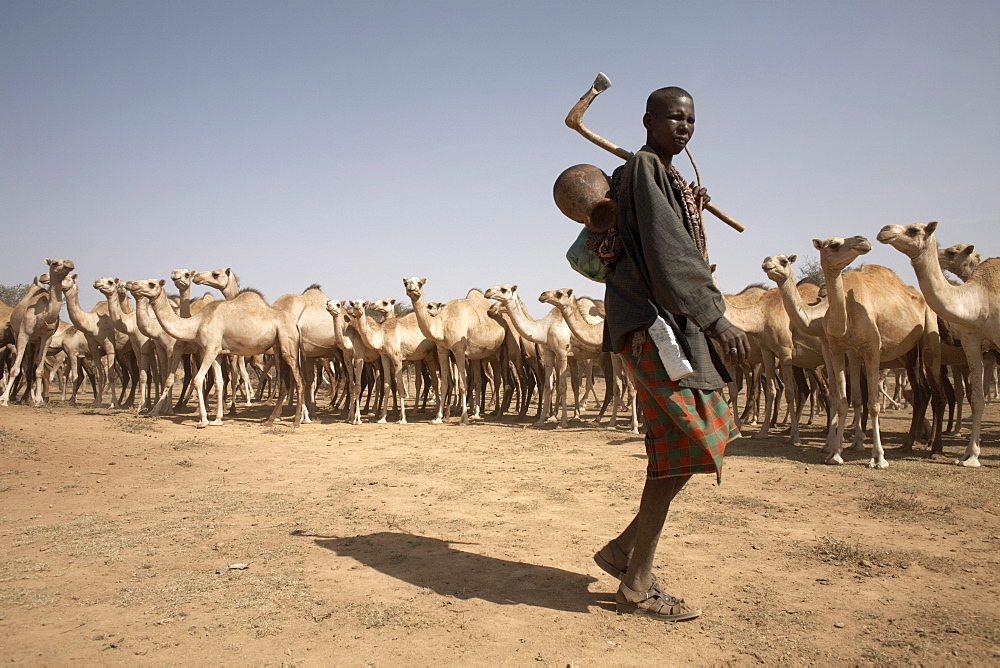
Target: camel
x=900, y=308
x=872, y=317
x=397, y=340
x=227, y=282
x=554, y=335
x=973, y=308
x=960, y=259
x=126, y=323
x=35, y=319
x=245, y=325
x=463, y=328
x=764, y=318
x=356, y=354
x=167, y=346
x=106, y=343
x=591, y=336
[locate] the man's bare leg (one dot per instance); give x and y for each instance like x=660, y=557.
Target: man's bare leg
x=642, y=535
x=644, y=529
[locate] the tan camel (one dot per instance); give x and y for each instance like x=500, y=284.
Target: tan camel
x=227, y=282
x=554, y=335
x=766, y=322
x=591, y=335
x=125, y=321
x=246, y=325
x=169, y=347
x=873, y=318
x=397, y=340
x=356, y=354
x=28, y=325
x=973, y=308
x=34, y=321
x=960, y=259
x=463, y=328
x=106, y=343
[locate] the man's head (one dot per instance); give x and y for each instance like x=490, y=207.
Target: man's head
x=669, y=120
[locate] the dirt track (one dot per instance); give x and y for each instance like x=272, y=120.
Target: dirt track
x=391, y=544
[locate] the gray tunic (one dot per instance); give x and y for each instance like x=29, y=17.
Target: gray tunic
x=661, y=272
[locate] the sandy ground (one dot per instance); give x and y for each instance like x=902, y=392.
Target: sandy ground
x=146, y=541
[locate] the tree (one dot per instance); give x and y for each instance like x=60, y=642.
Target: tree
x=11, y=294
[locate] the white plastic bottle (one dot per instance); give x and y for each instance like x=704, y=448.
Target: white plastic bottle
x=671, y=354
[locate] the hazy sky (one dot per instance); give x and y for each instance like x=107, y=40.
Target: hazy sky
x=352, y=144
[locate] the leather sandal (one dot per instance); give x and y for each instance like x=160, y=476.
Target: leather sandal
x=653, y=603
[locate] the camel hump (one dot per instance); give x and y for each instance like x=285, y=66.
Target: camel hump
x=987, y=274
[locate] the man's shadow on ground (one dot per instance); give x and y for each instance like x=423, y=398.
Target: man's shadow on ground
x=433, y=563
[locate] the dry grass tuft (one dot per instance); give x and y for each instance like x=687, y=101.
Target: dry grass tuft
x=887, y=504
x=374, y=615
x=836, y=551
x=131, y=424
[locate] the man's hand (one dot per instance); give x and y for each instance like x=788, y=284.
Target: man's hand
x=735, y=345
x=700, y=194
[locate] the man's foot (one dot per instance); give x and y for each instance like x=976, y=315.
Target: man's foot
x=653, y=603
x=612, y=560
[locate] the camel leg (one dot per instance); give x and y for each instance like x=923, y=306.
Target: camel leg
x=548, y=365
x=444, y=362
x=974, y=355
x=871, y=363
x=767, y=383
x=855, y=371
x=838, y=386
x=462, y=381
x=400, y=389
x=386, y=380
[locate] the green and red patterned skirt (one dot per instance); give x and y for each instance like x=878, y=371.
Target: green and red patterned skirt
x=686, y=429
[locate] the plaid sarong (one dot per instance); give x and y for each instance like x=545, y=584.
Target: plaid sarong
x=686, y=429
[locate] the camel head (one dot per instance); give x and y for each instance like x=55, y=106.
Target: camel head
x=150, y=288
x=333, y=306
x=434, y=308
x=218, y=278
x=910, y=240
x=779, y=268
x=836, y=253
x=960, y=259
x=60, y=268
x=387, y=307
x=68, y=283
x=414, y=287
x=106, y=286
x=502, y=293
x=356, y=308
x=557, y=298
x=182, y=278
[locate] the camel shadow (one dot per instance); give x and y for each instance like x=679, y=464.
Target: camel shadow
x=434, y=564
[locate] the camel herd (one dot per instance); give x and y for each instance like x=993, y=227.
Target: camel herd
x=838, y=340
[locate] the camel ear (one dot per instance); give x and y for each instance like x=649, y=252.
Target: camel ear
x=968, y=251
x=930, y=227
x=569, y=292
x=422, y=281
x=713, y=267
x=392, y=301
x=792, y=259
x=163, y=281
x=513, y=288
x=73, y=276
x=48, y=261
x=229, y=271
x=817, y=244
